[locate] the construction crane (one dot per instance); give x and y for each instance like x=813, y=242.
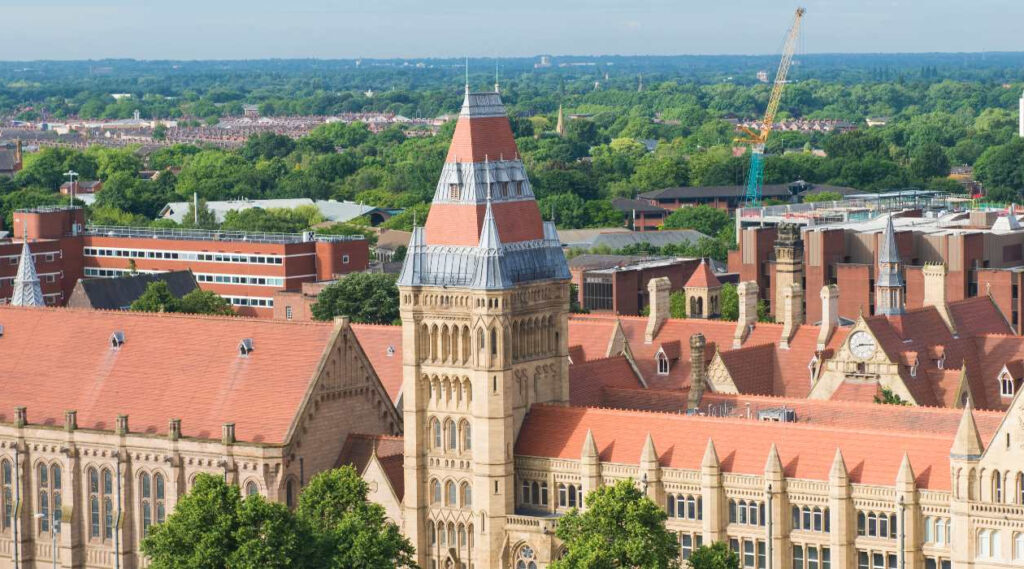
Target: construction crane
x=757, y=139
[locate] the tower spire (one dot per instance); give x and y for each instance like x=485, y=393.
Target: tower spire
x=467, y=75
x=496, y=89
x=889, y=293
x=27, y=290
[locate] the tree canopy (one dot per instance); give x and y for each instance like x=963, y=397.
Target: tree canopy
x=158, y=298
x=363, y=297
x=620, y=527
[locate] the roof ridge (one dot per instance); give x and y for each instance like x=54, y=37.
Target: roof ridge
x=848, y=403
x=598, y=360
x=375, y=325
x=737, y=420
x=169, y=315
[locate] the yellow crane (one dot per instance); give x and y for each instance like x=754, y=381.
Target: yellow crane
x=756, y=139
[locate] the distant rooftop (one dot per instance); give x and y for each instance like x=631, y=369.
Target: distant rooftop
x=213, y=235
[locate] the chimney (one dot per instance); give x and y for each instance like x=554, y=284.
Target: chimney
x=658, y=289
x=747, y=292
x=122, y=425
x=70, y=420
x=829, y=314
x=174, y=429
x=17, y=151
x=792, y=312
x=935, y=291
x=227, y=433
x=698, y=371
x=20, y=416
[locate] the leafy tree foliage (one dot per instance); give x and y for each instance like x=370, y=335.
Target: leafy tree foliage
x=889, y=397
x=621, y=527
x=363, y=297
x=706, y=219
x=714, y=556
x=158, y=298
x=334, y=527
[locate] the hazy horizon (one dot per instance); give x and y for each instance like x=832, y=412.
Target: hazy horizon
x=189, y=30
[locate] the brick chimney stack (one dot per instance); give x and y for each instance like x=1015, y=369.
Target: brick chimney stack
x=747, y=292
x=829, y=314
x=792, y=312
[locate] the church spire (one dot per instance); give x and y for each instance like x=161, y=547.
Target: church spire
x=889, y=293
x=560, y=125
x=27, y=291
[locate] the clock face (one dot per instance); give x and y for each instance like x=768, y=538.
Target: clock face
x=862, y=345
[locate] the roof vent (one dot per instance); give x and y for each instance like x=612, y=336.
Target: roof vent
x=245, y=346
x=1, y=330
x=117, y=339
x=391, y=349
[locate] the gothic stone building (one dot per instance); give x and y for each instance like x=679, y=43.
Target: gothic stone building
x=502, y=435
x=108, y=417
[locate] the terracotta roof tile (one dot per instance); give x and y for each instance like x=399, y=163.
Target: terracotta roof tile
x=703, y=277
x=588, y=380
x=806, y=451
x=376, y=340
x=749, y=367
x=170, y=366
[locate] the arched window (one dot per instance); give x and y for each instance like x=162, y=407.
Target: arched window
x=158, y=493
x=431, y=534
x=525, y=559
x=453, y=436
x=7, y=481
x=670, y=505
x=575, y=495
x=94, y=504
x=1020, y=487
x=997, y=487
x=43, y=482
x=467, y=436
x=146, y=492
x=435, y=492
x=450, y=493
x=435, y=428
x=451, y=534
x=462, y=535
x=289, y=494
x=663, y=366
x=251, y=489
x=940, y=530
x=467, y=495
x=1005, y=385
x=108, y=504
x=1018, y=547
x=494, y=342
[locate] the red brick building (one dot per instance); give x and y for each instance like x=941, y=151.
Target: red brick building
x=618, y=283
x=245, y=268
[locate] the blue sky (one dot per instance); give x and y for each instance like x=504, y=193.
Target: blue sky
x=250, y=29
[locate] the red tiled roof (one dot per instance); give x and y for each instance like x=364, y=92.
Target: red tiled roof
x=587, y=380
x=375, y=340
x=170, y=366
x=480, y=138
x=390, y=452
x=703, y=276
x=749, y=368
x=591, y=335
x=743, y=446
x=864, y=392
x=460, y=224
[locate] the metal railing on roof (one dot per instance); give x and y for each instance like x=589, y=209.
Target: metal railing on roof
x=213, y=235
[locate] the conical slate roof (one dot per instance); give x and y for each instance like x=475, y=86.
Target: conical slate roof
x=889, y=259
x=27, y=291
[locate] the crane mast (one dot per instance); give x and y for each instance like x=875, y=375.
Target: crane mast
x=757, y=139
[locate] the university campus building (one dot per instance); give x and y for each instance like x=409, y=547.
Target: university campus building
x=247, y=269
x=490, y=412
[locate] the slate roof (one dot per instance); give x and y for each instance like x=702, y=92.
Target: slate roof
x=628, y=206
x=768, y=191
x=7, y=159
x=118, y=293
x=169, y=366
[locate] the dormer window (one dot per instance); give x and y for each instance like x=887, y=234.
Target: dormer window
x=913, y=369
x=454, y=192
x=941, y=362
x=391, y=351
x=245, y=347
x=812, y=367
x=663, y=364
x=1005, y=384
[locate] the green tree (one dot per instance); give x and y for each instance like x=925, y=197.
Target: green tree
x=714, y=556
x=199, y=218
x=729, y=302
x=677, y=304
x=574, y=300
x=706, y=219
x=929, y=160
x=200, y=534
x=157, y=298
x=269, y=536
x=363, y=297
x=201, y=301
x=351, y=531
x=267, y=145
x=823, y=197
x=621, y=527
x=889, y=397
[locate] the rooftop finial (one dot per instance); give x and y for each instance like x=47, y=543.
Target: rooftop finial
x=487, y=174
x=467, y=74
